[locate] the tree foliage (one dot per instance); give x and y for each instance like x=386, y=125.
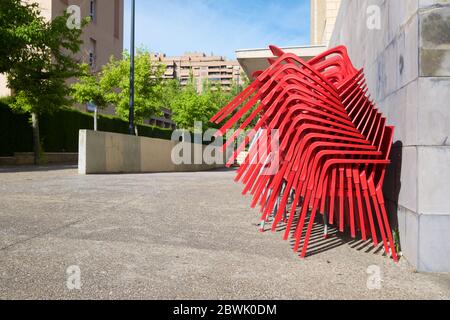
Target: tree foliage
x=189, y=106
x=39, y=77
x=148, y=87
x=153, y=92
x=20, y=24
x=88, y=88
x=171, y=89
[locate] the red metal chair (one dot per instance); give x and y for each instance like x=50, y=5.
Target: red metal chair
x=331, y=152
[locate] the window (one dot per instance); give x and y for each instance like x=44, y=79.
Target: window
x=92, y=53
x=93, y=10
x=91, y=59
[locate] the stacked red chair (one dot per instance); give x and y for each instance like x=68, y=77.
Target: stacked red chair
x=331, y=151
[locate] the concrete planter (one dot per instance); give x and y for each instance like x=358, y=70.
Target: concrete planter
x=107, y=152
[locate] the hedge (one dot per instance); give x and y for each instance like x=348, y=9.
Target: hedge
x=59, y=130
x=11, y=124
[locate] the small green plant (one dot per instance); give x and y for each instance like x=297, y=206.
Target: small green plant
x=396, y=236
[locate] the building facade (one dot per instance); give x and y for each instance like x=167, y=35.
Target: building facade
x=102, y=37
x=214, y=69
x=406, y=61
x=323, y=18
x=162, y=121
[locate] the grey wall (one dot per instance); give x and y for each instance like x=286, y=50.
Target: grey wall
x=407, y=67
x=107, y=152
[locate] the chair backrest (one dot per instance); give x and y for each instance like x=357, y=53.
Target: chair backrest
x=386, y=145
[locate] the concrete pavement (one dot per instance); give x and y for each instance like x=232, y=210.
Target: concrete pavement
x=172, y=236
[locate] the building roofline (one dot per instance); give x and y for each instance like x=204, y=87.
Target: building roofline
x=287, y=48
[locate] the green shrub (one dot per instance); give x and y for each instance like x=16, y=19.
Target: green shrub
x=59, y=130
x=16, y=134
x=154, y=132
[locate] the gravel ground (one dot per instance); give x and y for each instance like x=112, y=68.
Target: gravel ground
x=173, y=236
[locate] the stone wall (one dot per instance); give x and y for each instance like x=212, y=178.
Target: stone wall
x=107, y=152
x=407, y=67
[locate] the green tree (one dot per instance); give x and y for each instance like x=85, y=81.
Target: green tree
x=19, y=24
x=171, y=89
x=189, y=106
x=217, y=96
x=39, y=77
x=88, y=90
x=115, y=81
x=237, y=89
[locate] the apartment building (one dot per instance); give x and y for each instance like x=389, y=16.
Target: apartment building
x=163, y=121
x=214, y=69
x=102, y=37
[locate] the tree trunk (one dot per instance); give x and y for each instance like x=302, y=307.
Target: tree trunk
x=36, y=139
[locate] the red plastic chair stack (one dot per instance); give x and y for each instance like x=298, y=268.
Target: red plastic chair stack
x=332, y=147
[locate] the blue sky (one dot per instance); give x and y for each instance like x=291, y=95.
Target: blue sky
x=217, y=26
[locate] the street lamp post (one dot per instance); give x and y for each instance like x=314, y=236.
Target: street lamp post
x=131, y=114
